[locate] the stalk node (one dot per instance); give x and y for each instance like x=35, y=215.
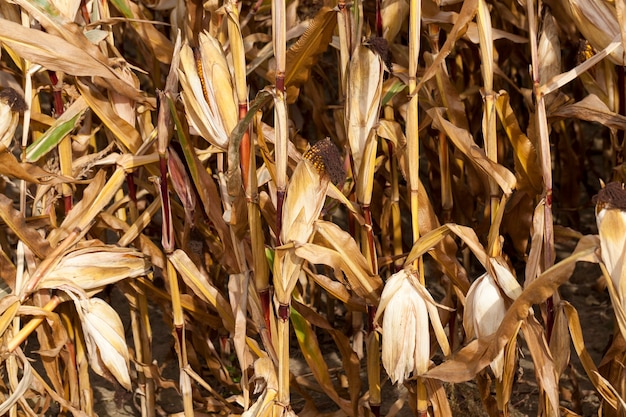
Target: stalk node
x=283, y=312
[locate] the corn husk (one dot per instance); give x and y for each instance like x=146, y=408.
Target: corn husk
x=306, y=194
x=365, y=82
x=208, y=92
x=407, y=306
x=484, y=310
x=94, y=267
x=597, y=21
x=611, y=219
x=303, y=203
x=10, y=105
x=104, y=336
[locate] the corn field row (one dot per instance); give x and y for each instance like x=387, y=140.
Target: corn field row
x=391, y=176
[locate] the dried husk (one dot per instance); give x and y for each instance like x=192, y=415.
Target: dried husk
x=104, y=336
x=9, y=116
x=365, y=81
x=303, y=204
x=407, y=307
x=485, y=308
x=93, y=267
x=208, y=91
x=597, y=21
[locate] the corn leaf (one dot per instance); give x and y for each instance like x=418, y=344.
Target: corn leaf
x=59, y=130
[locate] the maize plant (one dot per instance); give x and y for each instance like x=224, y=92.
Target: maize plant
x=304, y=208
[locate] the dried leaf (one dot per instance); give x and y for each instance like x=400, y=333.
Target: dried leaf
x=303, y=55
x=51, y=52
x=14, y=220
x=18, y=392
x=527, y=167
x=337, y=249
x=310, y=348
x=478, y=354
x=464, y=142
x=592, y=109
x=547, y=376
x=466, y=14
x=127, y=136
x=10, y=167
x=97, y=195
x=201, y=286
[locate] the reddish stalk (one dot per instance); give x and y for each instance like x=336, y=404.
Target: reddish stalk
x=379, y=20
x=132, y=188
x=265, y=297
x=621, y=85
x=84, y=12
x=58, y=109
x=244, y=149
x=58, y=106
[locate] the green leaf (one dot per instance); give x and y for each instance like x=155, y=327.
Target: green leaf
x=390, y=92
x=60, y=129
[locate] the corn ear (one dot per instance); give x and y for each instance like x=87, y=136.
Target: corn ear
x=104, y=336
x=11, y=103
x=93, y=267
x=303, y=203
x=207, y=93
x=611, y=219
x=407, y=307
x=394, y=13
x=484, y=310
x=597, y=21
x=365, y=81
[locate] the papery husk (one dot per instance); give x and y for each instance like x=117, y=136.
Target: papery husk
x=9, y=116
x=208, y=91
x=549, y=48
x=104, y=336
x=406, y=340
x=303, y=204
x=478, y=354
x=93, y=267
x=394, y=13
x=484, y=310
x=407, y=306
x=597, y=21
x=612, y=232
x=365, y=81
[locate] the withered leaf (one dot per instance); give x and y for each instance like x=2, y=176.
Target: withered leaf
x=303, y=55
x=10, y=167
x=479, y=353
x=14, y=220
